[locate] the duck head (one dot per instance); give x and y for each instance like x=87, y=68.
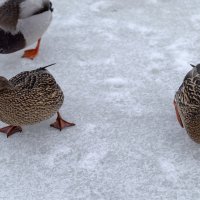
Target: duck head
x=4, y=83
x=197, y=67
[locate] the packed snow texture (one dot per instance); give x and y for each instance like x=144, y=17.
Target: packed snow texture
x=119, y=63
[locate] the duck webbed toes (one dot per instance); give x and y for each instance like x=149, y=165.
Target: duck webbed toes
x=32, y=53
x=60, y=123
x=10, y=130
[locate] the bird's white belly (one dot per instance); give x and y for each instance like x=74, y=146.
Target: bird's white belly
x=34, y=27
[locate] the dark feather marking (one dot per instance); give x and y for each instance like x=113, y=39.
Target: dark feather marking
x=11, y=43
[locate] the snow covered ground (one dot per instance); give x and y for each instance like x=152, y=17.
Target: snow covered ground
x=119, y=63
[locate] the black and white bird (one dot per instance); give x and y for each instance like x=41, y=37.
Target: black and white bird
x=22, y=23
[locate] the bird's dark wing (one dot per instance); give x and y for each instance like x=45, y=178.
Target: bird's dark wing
x=11, y=10
x=25, y=80
x=31, y=79
x=9, y=15
x=20, y=79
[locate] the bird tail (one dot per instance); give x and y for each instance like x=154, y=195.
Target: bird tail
x=43, y=68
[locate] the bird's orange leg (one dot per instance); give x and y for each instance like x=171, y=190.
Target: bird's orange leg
x=177, y=115
x=10, y=130
x=60, y=123
x=32, y=53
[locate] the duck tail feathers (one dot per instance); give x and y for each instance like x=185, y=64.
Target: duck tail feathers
x=43, y=68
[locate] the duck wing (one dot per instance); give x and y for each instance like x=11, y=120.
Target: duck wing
x=9, y=14
x=25, y=80
x=20, y=79
x=13, y=10
x=40, y=78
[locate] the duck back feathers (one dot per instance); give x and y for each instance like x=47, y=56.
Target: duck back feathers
x=35, y=96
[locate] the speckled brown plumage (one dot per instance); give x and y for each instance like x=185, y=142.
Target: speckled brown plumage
x=187, y=102
x=29, y=97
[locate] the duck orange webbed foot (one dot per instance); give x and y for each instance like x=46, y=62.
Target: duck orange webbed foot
x=177, y=115
x=32, y=53
x=10, y=130
x=60, y=123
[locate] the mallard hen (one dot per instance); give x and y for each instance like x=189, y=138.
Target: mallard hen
x=28, y=98
x=22, y=23
x=187, y=103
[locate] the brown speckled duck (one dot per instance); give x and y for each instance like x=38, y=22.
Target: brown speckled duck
x=28, y=98
x=22, y=23
x=187, y=103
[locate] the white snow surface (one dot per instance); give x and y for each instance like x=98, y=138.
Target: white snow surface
x=119, y=63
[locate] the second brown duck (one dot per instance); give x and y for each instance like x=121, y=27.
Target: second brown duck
x=187, y=103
